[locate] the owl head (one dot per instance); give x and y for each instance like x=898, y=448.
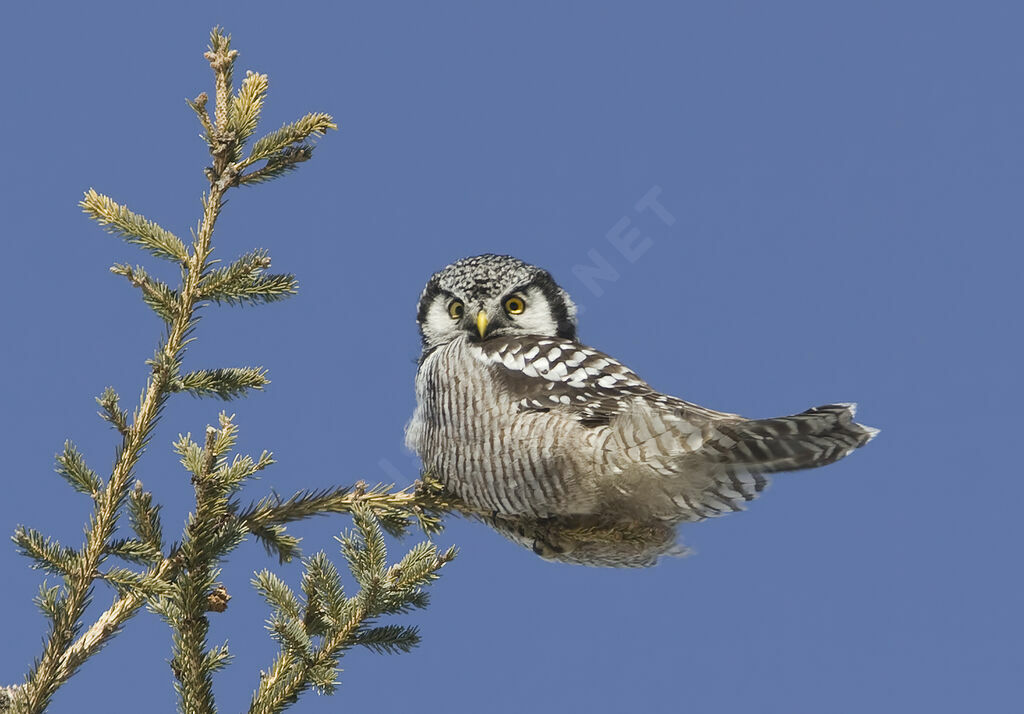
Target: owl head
x=490, y=295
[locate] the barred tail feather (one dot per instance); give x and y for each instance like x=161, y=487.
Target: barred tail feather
x=741, y=451
x=816, y=437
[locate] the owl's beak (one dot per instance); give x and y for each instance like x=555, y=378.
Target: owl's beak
x=481, y=323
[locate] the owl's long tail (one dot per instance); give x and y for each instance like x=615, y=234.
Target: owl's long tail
x=816, y=437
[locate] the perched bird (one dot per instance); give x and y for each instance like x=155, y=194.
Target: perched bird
x=565, y=450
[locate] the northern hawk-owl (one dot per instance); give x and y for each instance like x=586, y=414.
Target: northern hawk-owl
x=565, y=450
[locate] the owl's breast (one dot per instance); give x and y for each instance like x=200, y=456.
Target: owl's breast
x=472, y=434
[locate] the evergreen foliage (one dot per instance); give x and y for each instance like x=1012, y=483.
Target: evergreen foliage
x=181, y=582
x=315, y=629
x=244, y=281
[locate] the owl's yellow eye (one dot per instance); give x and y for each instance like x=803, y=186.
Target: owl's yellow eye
x=455, y=309
x=515, y=305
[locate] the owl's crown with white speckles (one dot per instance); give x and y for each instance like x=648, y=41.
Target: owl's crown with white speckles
x=479, y=276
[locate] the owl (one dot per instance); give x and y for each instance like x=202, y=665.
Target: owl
x=565, y=450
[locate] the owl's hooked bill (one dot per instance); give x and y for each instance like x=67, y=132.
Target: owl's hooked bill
x=563, y=449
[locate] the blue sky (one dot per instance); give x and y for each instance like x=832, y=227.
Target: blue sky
x=845, y=186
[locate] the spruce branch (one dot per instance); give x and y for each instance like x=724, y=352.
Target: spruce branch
x=190, y=593
x=144, y=517
x=134, y=551
x=245, y=281
x=422, y=505
x=110, y=406
x=310, y=126
x=244, y=113
x=198, y=105
x=125, y=580
x=315, y=630
x=222, y=61
x=48, y=599
x=210, y=535
x=61, y=655
x=71, y=465
x=284, y=161
x=226, y=383
x=389, y=639
x=48, y=554
x=217, y=659
x=110, y=622
x=324, y=595
x=158, y=295
x=277, y=593
x=277, y=542
x=135, y=229
x=222, y=141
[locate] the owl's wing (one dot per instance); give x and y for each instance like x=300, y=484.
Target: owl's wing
x=664, y=448
x=545, y=373
x=691, y=462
